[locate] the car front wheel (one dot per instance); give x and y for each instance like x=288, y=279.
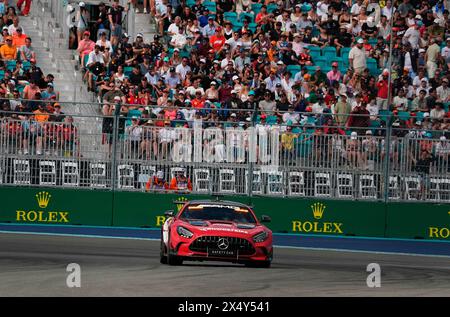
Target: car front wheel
x=162, y=257
x=173, y=259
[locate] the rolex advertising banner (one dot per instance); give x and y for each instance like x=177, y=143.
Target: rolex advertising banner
x=324, y=217
x=29, y=205
x=418, y=221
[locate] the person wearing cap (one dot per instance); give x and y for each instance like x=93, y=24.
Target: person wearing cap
x=180, y=182
x=57, y=115
x=217, y=40
x=357, y=57
x=8, y=51
x=49, y=93
x=210, y=28
x=442, y=152
x=443, y=91
x=157, y=182
x=82, y=19
x=85, y=46
x=383, y=90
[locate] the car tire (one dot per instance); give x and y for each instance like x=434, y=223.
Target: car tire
x=173, y=259
x=162, y=257
x=259, y=264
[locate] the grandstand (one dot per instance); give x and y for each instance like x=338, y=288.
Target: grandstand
x=323, y=99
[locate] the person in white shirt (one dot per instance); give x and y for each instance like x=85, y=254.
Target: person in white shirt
x=357, y=57
x=388, y=10
x=179, y=40
x=173, y=29
x=445, y=52
x=356, y=8
x=412, y=36
x=227, y=59
x=322, y=9
x=418, y=79
x=183, y=68
x=443, y=91
x=400, y=102
x=423, y=86
x=373, y=109
x=272, y=81
x=438, y=112
x=166, y=135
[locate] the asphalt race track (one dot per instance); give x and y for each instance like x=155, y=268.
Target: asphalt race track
x=35, y=265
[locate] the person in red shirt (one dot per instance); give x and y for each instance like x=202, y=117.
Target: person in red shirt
x=261, y=17
x=217, y=41
x=330, y=98
x=382, y=95
x=198, y=102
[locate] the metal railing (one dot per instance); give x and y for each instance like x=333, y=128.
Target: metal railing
x=245, y=158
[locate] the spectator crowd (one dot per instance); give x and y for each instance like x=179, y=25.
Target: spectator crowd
x=31, y=119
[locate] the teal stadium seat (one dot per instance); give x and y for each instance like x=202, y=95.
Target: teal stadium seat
x=245, y=15
x=230, y=16
x=210, y=5
x=256, y=8
x=403, y=115
x=329, y=52
x=237, y=26
x=314, y=51
x=272, y=7
x=293, y=69
x=320, y=61
x=310, y=68
x=26, y=65
x=11, y=65
x=127, y=70
x=372, y=65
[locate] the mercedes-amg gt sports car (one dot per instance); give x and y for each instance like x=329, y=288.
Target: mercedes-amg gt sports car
x=218, y=231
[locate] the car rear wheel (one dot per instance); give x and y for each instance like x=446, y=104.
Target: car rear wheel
x=162, y=257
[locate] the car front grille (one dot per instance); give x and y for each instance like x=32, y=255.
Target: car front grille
x=242, y=246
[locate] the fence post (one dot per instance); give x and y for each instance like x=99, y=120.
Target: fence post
x=114, y=145
x=387, y=159
x=250, y=163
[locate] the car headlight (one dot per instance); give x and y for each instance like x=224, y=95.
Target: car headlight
x=185, y=233
x=260, y=237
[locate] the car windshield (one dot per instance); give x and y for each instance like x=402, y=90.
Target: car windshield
x=218, y=212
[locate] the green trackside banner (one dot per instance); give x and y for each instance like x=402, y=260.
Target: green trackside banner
x=147, y=210
x=329, y=217
x=289, y=215
x=55, y=206
x=418, y=220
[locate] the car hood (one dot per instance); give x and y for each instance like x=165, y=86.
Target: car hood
x=220, y=227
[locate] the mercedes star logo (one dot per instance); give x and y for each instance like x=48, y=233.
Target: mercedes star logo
x=223, y=243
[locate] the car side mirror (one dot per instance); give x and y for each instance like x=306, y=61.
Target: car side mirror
x=265, y=218
x=169, y=213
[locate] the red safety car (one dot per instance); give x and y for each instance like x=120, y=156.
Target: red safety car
x=218, y=231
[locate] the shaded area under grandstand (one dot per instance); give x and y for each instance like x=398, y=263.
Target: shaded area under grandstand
x=359, y=244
